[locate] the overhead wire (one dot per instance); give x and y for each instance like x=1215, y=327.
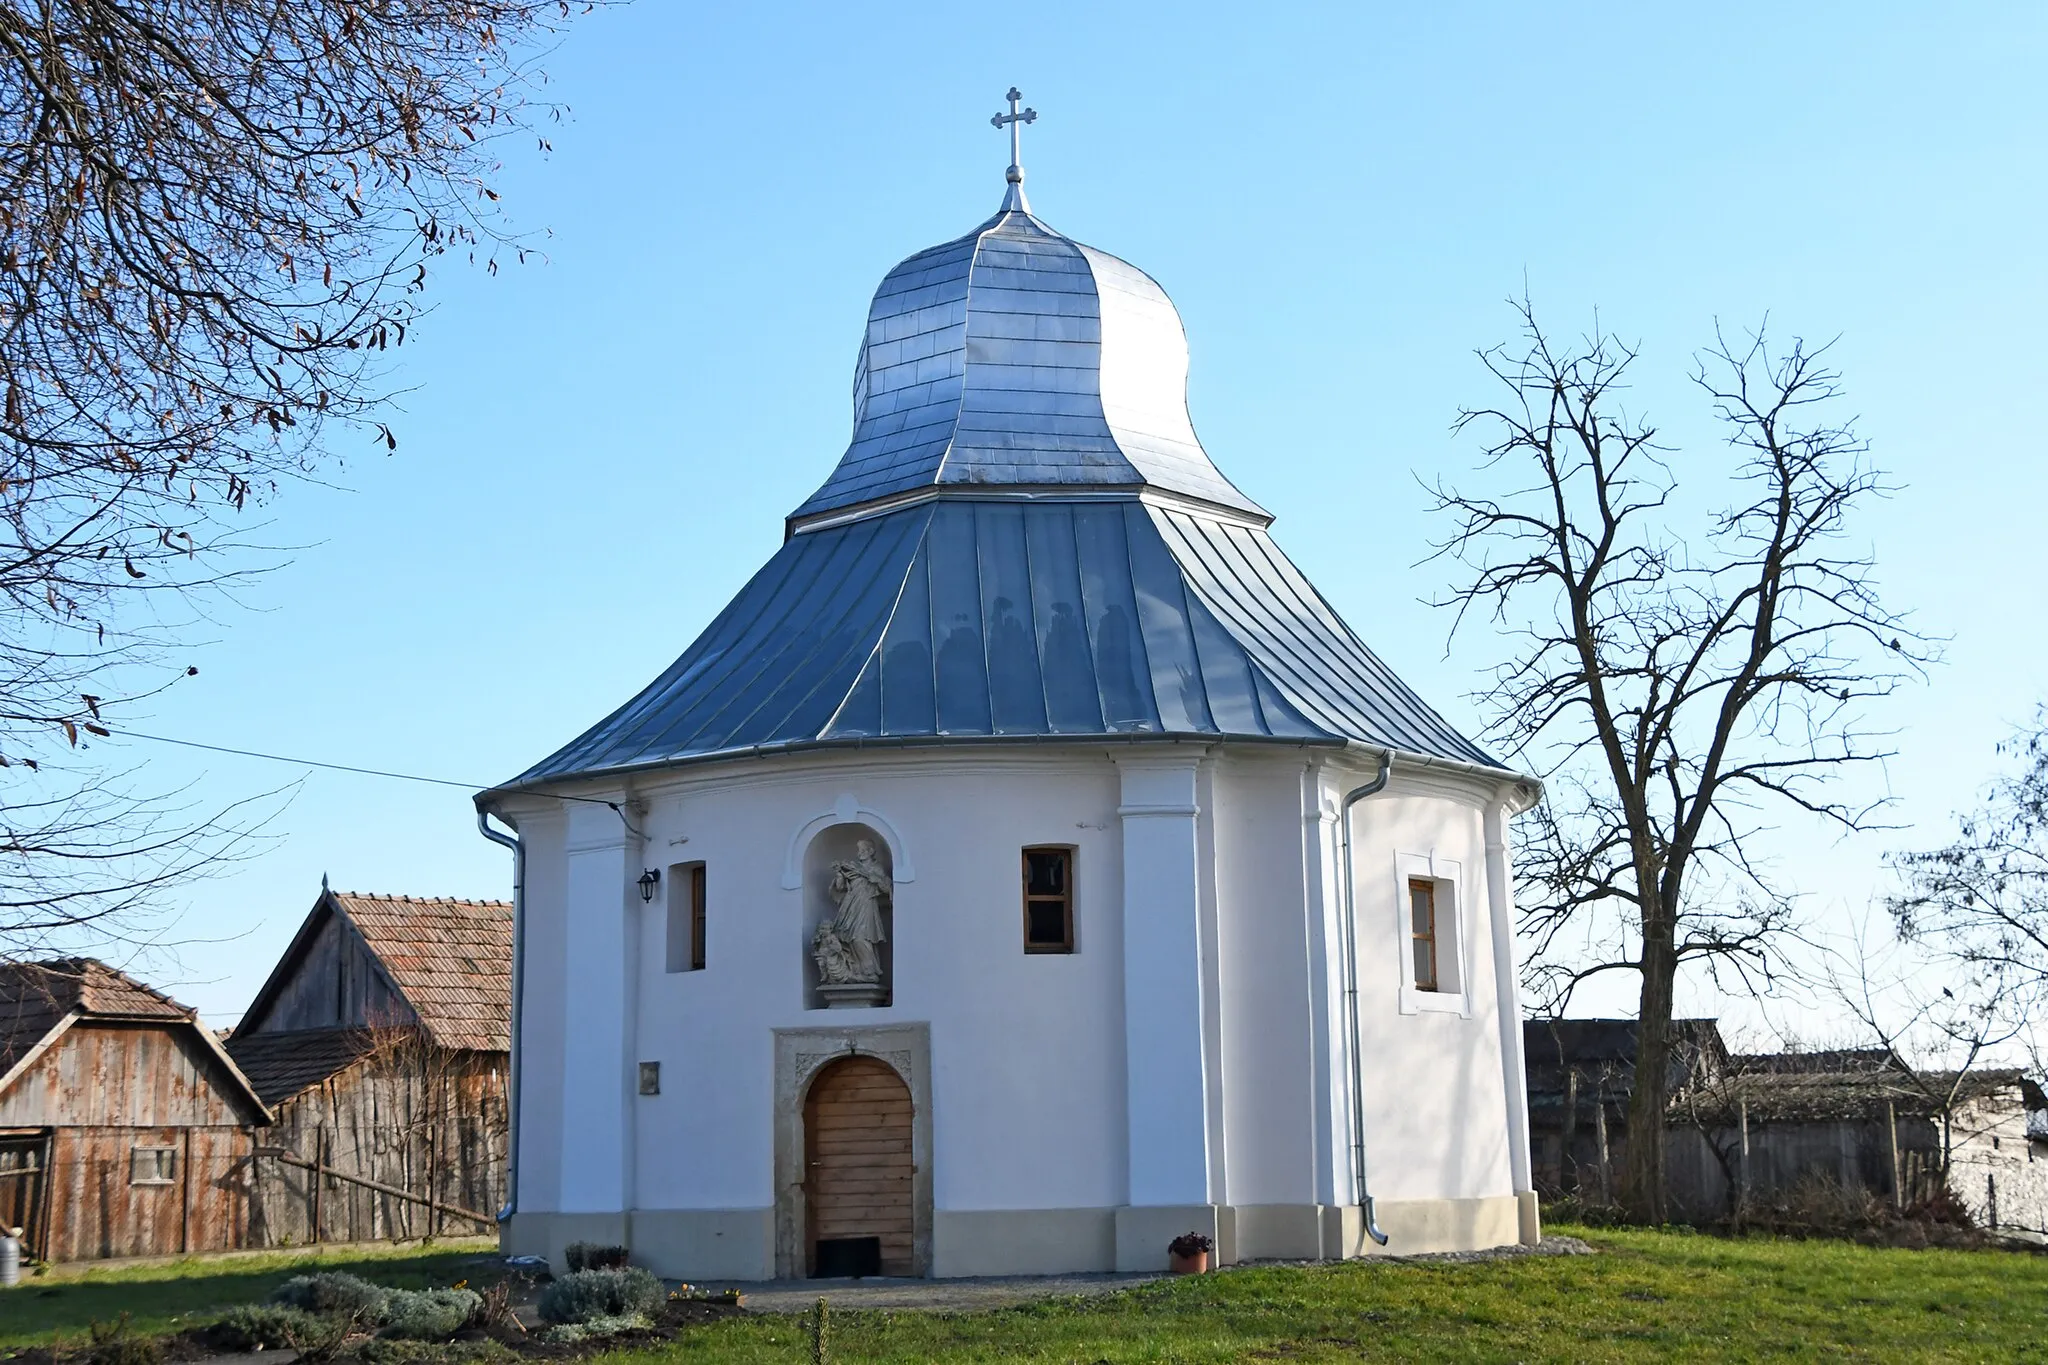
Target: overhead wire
x=342, y=767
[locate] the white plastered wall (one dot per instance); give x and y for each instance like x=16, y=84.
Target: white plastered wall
x=1437, y=1125
x=1027, y=1051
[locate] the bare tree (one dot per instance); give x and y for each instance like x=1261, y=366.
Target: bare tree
x=1981, y=902
x=216, y=219
x=1672, y=689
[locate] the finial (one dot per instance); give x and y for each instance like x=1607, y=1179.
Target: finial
x=1015, y=120
x=323, y=883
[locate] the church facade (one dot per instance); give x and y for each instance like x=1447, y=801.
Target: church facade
x=1026, y=868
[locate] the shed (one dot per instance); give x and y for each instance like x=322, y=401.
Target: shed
x=125, y=1129
x=382, y=1039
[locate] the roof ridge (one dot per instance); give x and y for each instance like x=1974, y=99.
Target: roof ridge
x=418, y=900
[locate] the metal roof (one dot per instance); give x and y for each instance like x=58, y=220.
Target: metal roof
x=984, y=619
x=1024, y=540
x=1014, y=355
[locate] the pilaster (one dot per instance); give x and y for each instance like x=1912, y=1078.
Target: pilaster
x=595, y=1087
x=1166, y=1081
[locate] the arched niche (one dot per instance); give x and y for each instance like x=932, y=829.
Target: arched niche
x=847, y=810
x=837, y=843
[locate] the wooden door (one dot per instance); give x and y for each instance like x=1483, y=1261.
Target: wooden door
x=857, y=1167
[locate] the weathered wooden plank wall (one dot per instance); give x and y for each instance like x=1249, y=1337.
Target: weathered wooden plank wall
x=338, y=984
x=100, y=1209
x=104, y=1090
x=122, y=1075
x=440, y=1134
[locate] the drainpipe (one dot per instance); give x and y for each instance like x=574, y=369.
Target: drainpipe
x=518, y=847
x=1352, y=798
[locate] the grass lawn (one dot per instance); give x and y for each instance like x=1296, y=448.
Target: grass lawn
x=1651, y=1295
x=168, y=1295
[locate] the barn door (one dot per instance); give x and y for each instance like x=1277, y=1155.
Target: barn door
x=857, y=1171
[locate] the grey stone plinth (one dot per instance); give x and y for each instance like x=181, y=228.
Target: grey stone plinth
x=852, y=995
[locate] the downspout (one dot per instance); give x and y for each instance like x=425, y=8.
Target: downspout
x=1362, y=1190
x=518, y=847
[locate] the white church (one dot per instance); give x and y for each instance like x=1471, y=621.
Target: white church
x=1026, y=868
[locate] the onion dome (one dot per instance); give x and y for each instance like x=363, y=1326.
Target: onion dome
x=1015, y=357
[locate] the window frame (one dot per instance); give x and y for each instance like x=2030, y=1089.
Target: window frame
x=685, y=948
x=167, y=1163
x=1427, y=886
x=1452, y=939
x=1065, y=900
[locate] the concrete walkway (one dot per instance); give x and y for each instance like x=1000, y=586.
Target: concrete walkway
x=969, y=1296
x=945, y=1296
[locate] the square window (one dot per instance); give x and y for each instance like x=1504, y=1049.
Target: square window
x=152, y=1165
x=1048, y=900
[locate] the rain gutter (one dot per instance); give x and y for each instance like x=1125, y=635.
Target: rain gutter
x=788, y=746
x=518, y=847
x=1361, y=1189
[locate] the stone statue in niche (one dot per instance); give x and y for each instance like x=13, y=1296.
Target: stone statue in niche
x=845, y=947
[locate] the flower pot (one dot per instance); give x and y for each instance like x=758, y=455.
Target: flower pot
x=1197, y=1264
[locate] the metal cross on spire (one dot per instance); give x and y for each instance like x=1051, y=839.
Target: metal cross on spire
x=1015, y=121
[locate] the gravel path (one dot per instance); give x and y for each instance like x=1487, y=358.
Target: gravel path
x=974, y=1295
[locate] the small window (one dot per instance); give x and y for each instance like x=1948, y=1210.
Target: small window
x=1422, y=931
x=686, y=917
x=1048, y=900
x=152, y=1165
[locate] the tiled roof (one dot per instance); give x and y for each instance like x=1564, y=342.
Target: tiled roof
x=451, y=959
x=35, y=996
x=281, y=1065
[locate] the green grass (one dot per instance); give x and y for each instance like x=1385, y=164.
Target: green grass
x=165, y=1296
x=1651, y=1296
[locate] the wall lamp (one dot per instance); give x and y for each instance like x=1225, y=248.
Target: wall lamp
x=648, y=881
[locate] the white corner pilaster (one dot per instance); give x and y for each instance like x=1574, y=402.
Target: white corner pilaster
x=1500, y=892
x=596, y=1024
x=1166, y=1090
x=1330, y=1123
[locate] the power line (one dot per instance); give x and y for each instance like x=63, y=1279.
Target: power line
x=305, y=762
x=346, y=768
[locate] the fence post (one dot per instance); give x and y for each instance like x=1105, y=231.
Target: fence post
x=1744, y=1195
x=433, y=1179
x=1600, y=1132
x=1568, y=1157
x=319, y=1177
x=1891, y=1123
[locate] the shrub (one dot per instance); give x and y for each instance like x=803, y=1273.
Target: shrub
x=263, y=1326
x=333, y=1291
x=584, y=1295
x=597, y=1329
x=393, y=1351
x=429, y=1314
x=114, y=1343
x=594, y=1256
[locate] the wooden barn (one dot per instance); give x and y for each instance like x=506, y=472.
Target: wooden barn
x=125, y=1129
x=382, y=1041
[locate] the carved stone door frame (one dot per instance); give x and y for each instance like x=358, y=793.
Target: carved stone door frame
x=800, y=1054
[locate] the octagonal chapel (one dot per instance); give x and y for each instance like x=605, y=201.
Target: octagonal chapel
x=1026, y=868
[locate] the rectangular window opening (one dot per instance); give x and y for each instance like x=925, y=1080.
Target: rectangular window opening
x=1422, y=931
x=686, y=917
x=152, y=1165
x=1048, y=900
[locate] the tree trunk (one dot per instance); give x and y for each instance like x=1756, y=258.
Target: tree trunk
x=1645, y=1194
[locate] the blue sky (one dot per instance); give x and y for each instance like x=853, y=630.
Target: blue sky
x=597, y=450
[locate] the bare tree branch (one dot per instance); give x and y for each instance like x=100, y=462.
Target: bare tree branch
x=1673, y=689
